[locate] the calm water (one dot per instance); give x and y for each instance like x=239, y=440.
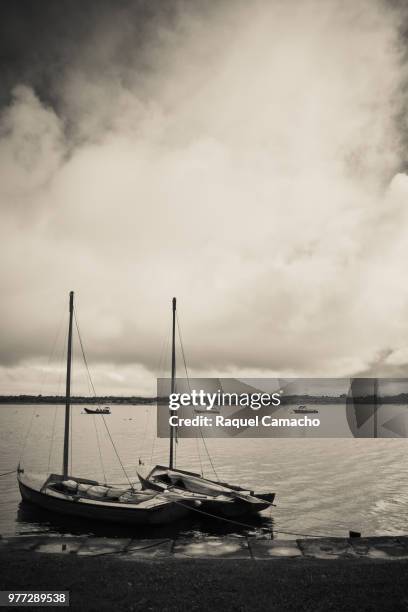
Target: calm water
x=323, y=486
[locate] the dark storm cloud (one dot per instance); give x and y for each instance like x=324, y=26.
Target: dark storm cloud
x=41, y=42
x=242, y=156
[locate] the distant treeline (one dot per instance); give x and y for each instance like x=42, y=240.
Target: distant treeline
x=60, y=399
x=402, y=398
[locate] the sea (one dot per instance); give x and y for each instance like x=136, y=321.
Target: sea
x=323, y=486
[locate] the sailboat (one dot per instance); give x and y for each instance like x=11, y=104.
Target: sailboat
x=105, y=410
x=207, y=411
x=219, y=498
x=305, y=410
x=69, y=495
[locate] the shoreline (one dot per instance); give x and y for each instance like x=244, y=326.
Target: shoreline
x=49, y=401
x=382, y=548
x=289, y=400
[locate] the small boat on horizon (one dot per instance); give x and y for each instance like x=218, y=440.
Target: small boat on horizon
x=105, y=410
x=305, y=410
x=205, y=411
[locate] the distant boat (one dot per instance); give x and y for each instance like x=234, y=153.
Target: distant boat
x=105, y=410
x=205, y=411
x=305, y=410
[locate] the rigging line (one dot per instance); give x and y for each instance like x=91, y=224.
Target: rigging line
x=63, y=353
x=144, y=438
x=199, y=455
x=56, y=406
x=163, y=355
x=83, y=352
x=97, y=436
x=94, y=392
x=182, y=348
x=26, y=435
x=208, y=454
x=189, y=386
x=7, y=473
x=188, y=382
x=33, y=410
x=152, y=451
x=52, y=438
x=99, y=449
x=53, y=346
x=162, y=360
x=149, y=411
x=116, y=452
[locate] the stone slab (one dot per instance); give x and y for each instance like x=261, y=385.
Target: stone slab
x=380, y=547
x=147, y=549
x=403, y=540
x=326, y=548
x=21, y=542
x=62, y=545
x=212, y=548
x=103, y=546
x=273, y=549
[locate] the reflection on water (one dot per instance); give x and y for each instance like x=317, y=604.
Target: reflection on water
x=326, y=486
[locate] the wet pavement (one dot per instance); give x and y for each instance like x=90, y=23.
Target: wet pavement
x=255, y=549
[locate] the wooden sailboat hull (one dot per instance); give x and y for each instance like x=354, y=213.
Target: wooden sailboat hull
x=102, y=511
x=236, y=508
x=237, y=504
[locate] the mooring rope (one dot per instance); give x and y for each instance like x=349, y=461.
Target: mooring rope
x=7, y=473
x=246, y=525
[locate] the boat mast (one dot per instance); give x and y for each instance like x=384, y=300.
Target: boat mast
x=173, y=380
x=68, y=388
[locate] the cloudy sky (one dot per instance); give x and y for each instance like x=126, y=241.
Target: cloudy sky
x=246, y=157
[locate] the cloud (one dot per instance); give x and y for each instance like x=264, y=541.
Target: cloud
x=245, y=158
x=31, y=146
